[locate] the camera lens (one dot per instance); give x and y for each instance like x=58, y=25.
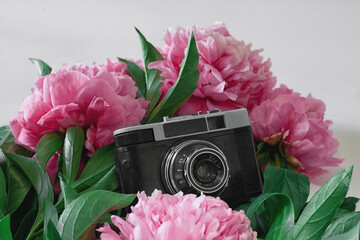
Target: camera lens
x=195, y=166
x=204, y=169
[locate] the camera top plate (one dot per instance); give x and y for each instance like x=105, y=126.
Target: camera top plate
x=193, y=124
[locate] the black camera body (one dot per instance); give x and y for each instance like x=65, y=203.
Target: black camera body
x=211, y=153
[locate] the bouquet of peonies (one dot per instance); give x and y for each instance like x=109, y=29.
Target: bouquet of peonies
x=58, y=177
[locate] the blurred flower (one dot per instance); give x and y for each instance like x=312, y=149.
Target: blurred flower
x=179, y=216
x=231, y=74
x=294, y=133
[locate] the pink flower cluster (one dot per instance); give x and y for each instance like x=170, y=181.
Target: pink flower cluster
x=231, y=74
x=179, y=217
x=100, y=98
x=296, y=124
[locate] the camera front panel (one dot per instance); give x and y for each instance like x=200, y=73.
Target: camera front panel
x=145, y=169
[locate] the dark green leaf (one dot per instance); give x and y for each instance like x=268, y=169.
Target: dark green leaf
x=108, y=182
x=42, y=67
x=5, y=232
x=322, y=207
x=25, y=226
x=98, y=165
x=50, y=213
x=184, y=86
x=349, y=204
x=345, y=227
x=38, y=179
x=77, y=222
x=18, y=187
x=50, y=232
x=3, y=195
x=73, y=146
x=68, y=192
x=281, y=216
x=150, y=54
x=47, y=147
x=137, y=74
x=293, y=184
x=154, y=97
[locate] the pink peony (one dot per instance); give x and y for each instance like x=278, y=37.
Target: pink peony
x=164, y=216
x=231, y=74
x=294, y=127
x=100, y=99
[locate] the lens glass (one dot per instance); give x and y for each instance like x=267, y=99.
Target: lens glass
x=205, y=169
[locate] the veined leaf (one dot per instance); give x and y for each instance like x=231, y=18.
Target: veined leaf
x=77, y=222
x=38, y=179
x=47, y=147
x=42, y=67
x=281, y=217
x=98, y=165
x=5, y=233
x=150, y=54
x=18, y=187
x=137, y=74
x=345, y=227
x=73, y=146
x=108, y=182
x=184, y=86
x=68, y=192
x=293, y=184
x=322, y=207
x=50, y=232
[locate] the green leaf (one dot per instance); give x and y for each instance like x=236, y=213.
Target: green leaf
x=6, y=135
x=345, y=227
x=5, y=232
x=68, y=192
x=184, y=86
x=98, y=165
x=293, y=184
x=38, y=179
x=50, y=217
x=18, y=187
x=322, y=207
x=73, y=146
x=150, y=54
x=137, y=74
x=108, y=182
x=281, y=214
x=77, y=222
x=47, y=147
x=3, y=195
x=25, y=226
x=50, y=232
x=42, y=67
x=349, y=204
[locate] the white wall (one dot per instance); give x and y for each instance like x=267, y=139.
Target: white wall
x=314, y=46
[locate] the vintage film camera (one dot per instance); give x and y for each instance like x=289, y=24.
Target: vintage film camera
x=211, y=153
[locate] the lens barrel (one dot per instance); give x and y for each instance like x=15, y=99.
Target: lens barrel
x=195, y=166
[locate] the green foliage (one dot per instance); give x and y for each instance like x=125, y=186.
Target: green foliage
x=78, y=220
x=41, y=66
x=48, y=145
x=5, y=233
x=149, y=81
x=272, y=217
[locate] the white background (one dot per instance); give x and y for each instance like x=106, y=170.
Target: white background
x=314, y=47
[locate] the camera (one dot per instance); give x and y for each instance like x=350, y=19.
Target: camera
x=210, y=153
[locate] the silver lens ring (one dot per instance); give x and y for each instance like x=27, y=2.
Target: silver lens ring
x=180, y=162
